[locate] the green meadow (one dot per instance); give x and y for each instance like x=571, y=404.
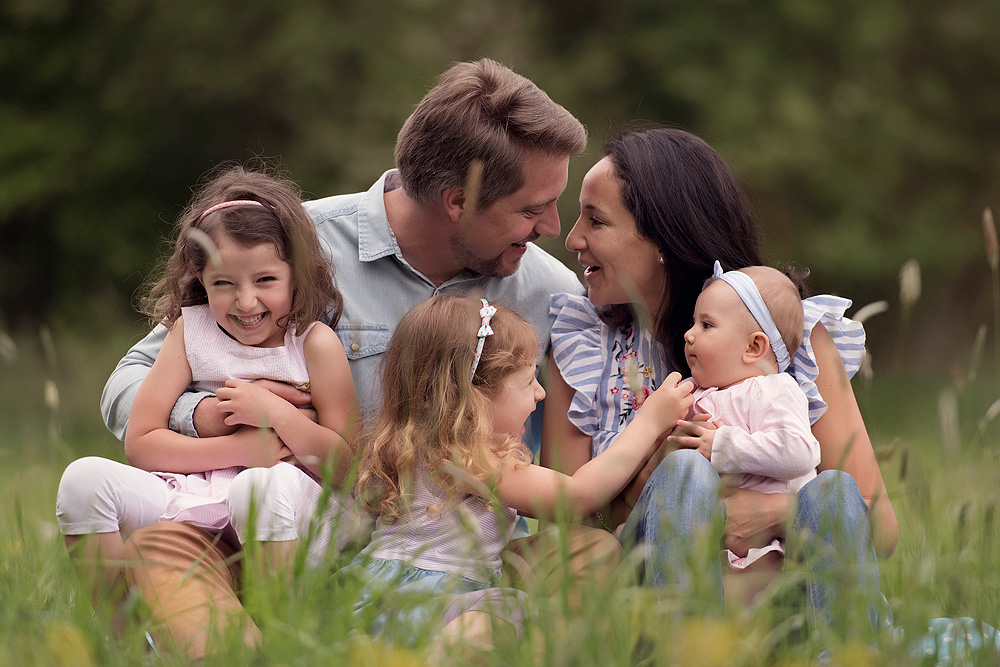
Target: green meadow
x=935, y=436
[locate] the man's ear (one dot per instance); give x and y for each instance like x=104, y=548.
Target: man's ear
x=453, y=199
x=757, y=348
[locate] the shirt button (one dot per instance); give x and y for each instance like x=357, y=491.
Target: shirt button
x=355, y=347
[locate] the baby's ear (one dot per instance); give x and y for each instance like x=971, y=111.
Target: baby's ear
x=758, y=347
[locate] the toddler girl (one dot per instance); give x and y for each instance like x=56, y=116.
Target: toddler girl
x=757, y=429
x=446, y=472
x=241, y=294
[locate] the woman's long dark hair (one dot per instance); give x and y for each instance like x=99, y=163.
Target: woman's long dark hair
x=686, y=201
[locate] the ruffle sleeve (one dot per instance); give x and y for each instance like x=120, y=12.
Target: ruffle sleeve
x=848, y=336
x=578, y=352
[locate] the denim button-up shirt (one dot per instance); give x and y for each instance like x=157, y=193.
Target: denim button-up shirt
x=378, y=287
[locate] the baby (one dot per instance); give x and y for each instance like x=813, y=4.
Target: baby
x=758, y=432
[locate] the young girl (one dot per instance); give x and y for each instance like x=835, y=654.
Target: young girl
x=745, y=323
x=445, y=470
x=241, y=294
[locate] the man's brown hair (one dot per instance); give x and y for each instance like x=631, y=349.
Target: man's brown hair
x=481, y=112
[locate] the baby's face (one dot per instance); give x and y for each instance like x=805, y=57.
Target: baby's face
x=715, y=343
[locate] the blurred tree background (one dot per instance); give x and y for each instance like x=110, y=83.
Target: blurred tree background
x=867, y=133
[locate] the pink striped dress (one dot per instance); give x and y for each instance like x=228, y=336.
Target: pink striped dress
x=214, y=357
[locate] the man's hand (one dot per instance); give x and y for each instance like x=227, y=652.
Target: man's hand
x=209, y=421
x=296, y=397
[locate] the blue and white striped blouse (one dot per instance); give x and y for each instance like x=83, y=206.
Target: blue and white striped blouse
x=612, y=370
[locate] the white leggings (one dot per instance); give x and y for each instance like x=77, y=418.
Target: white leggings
x=281, y=503
x=98, y=495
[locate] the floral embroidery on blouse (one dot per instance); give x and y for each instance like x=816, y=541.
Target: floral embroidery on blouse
x=632, y=376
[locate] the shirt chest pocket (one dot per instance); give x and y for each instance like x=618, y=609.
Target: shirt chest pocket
x=362, y=340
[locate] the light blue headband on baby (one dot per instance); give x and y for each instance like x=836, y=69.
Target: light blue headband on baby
x=748, y=292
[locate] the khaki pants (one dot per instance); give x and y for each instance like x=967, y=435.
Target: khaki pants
x=189, y=578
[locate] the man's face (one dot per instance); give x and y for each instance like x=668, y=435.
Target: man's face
x=492, y=242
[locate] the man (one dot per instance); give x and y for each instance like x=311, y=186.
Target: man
x=481, y=163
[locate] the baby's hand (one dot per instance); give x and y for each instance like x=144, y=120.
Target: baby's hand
x=697, y=435
x=670, y=401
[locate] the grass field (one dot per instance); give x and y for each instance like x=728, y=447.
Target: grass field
x=939, y=455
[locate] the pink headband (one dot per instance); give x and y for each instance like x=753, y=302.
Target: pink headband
x=228, y=204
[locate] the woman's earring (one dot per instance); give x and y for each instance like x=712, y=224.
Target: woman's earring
x=660, y=259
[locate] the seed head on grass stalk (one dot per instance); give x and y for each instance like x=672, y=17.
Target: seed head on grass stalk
x=909, y=294
x=993, y=256
x=862, y=315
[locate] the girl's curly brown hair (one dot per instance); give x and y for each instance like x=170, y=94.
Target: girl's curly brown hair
x=281, y=222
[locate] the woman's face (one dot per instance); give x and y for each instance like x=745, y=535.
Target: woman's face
x=620, y=266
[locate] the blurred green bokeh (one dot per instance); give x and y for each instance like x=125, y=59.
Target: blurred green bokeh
x=867, y=133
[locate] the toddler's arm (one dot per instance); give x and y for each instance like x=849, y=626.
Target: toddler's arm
x=536, y=491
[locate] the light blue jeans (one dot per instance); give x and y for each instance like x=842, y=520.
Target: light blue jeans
x=679, y=519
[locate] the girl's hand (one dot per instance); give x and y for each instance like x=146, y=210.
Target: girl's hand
x=261, y=447
x=669, y=402
x=699, y=435
x=247, y=403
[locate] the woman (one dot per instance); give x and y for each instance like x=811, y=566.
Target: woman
x=656, y=211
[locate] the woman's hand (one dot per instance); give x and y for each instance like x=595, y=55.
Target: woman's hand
x=753, y=519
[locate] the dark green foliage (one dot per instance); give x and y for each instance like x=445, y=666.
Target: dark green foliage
x=867, y=132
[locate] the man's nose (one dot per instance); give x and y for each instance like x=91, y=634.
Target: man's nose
x=548, y=223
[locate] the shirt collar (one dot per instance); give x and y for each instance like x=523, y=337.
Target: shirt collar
x=375, y=237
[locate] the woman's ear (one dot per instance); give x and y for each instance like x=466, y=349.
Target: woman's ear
x=757, y=349
x=453, y=199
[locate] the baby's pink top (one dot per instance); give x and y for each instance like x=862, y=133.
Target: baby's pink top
x=766, y=439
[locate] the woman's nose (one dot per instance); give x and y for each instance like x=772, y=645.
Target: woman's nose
x=574, y=240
